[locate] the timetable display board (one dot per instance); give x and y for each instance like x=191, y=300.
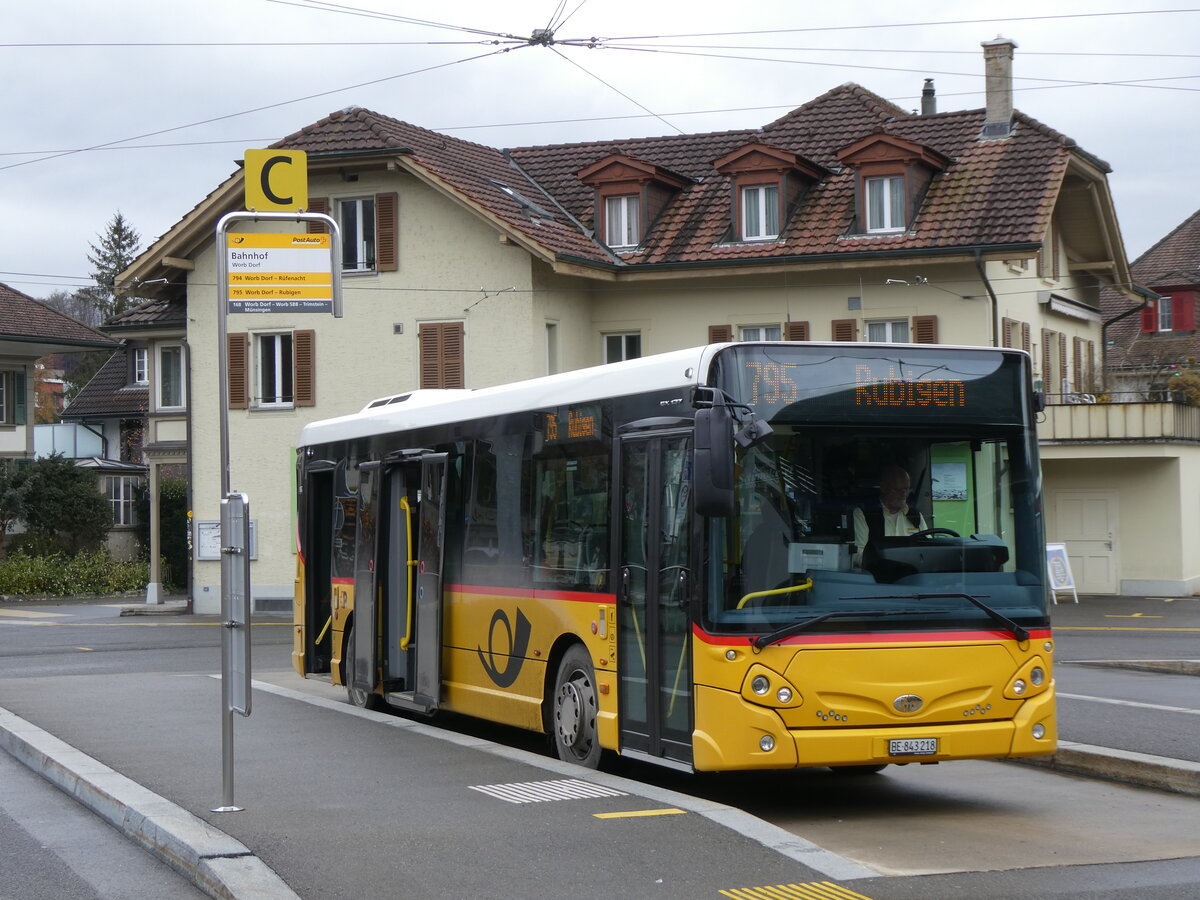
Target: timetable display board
x=279, y=273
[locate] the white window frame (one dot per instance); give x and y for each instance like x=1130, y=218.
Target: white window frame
x=122, y=497
x=282, y=367
x=890, y=218
x=760, y=333
x=1164, y=314
x=759, y=205
x=621, y=341
x=359, y=253
x=891, y=329
x=161, y=379
x=621, y=221
x=141, y=365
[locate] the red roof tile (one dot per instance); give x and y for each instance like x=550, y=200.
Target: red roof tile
x=25, y=319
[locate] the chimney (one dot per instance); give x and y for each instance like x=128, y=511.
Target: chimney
x=997, y=67
x=928, y=99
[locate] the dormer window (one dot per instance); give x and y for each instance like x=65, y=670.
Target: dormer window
x=768, y=184
x=760, y=212
x=630, y=193
x=886, y=205
x=622, y=228
x=891, y=177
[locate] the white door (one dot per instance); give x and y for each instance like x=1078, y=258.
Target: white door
x=1086, y=521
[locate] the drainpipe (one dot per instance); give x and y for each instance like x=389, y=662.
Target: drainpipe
x=987, y=286
x=187, y=381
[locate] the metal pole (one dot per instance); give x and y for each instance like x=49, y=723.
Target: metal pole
x=229, y=544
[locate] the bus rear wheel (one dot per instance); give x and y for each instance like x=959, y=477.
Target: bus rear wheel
x=573, y=718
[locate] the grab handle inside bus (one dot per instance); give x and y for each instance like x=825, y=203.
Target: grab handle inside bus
x=412, y=563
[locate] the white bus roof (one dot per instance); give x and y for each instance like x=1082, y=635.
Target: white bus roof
x=417, y=409
x=422, y=408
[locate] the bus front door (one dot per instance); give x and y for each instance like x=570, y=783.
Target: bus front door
x=654, y=590
x=416, y=534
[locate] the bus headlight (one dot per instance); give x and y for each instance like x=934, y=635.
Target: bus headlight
x=760, y=685
x=763, y=686
x=784, y=695
x=1018, y=687
x=1037, y=676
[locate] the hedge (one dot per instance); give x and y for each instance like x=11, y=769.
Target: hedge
x=94, y=572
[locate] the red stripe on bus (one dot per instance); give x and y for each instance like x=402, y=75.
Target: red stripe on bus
x=919, y=637
x=534, y=594
x=342, y=580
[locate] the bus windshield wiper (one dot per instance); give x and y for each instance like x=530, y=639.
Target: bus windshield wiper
x=805, y=624
x=1021, y=634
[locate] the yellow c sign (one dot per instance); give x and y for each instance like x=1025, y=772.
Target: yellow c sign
x=276, y=180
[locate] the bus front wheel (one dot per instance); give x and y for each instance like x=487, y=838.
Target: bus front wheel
x=573, y=722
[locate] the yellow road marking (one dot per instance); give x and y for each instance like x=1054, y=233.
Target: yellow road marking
x=639, y=813
x=30, y=614
x=88, y=649
x=1136, y=615
x=816, y=890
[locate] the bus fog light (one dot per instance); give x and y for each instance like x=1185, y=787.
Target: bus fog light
x=784, y=695
x=760, y=685
x=1048, y=647
x=1039, y=731
x=1019, y=687
x=1037, y=676
x=766, y=743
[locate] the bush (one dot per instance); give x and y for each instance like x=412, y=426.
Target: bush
x=57, y=574
x=58, y=497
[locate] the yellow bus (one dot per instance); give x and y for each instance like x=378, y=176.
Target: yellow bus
x=692, y=558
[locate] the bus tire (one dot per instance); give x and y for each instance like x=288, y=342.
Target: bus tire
x=356, y=696
x=573, y=709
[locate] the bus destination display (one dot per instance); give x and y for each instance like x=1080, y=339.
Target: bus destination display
x=572, y=423
x=890, y=386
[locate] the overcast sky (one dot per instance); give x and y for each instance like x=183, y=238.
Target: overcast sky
x=144, y=106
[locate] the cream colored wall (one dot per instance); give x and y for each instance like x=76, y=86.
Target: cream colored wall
x=1158, y=491
x=17, y=440
x=446, y=255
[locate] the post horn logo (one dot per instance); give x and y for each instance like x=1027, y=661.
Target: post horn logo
x=908, y=703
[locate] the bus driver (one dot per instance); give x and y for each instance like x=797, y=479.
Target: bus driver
x=893, y=517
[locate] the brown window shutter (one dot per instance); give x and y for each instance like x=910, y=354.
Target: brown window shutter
x=1062, y=359
x=238, y=346
x=1006, y=331
x=318, y=205
x=1091, y=366
x=304, y=367
x=925, y=329
x=1047, y=375
x=387, y=249
x=1026, y=340
x=442, y=354
x=1077, y=364
x=844, y=329
x=720, y=334
x=795, y=331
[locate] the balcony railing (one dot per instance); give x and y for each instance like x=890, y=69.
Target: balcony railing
x=1119, y=418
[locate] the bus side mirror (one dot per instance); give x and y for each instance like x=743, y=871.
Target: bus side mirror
x=713, y=468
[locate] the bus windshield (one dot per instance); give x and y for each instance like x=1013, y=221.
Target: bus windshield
x=909, y=516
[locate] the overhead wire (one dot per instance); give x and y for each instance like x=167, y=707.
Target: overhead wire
x=611, y=87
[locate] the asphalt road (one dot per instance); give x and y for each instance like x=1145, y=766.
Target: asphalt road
x=342, y=803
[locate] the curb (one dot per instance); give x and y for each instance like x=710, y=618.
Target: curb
x=1158, y=666
x=169, y=608
x=1178, y=776
x=216, y=863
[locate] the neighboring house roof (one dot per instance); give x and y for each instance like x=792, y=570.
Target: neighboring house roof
x=990, y=194
x=24, y=320
x=162, y=313
x=1172, y=264
x=109, y=394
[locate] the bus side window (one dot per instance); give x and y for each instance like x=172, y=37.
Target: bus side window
x=570, y=518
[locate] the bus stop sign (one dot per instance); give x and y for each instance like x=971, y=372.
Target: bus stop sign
x=276, y=180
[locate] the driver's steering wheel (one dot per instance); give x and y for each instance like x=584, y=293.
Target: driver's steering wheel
x=930, y=532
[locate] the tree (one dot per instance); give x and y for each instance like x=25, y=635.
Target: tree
x=59, y=498
x=76, y=304
x=118, y=248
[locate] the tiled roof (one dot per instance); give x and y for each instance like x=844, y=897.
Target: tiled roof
x=995, y=192
x=160, y=313
x=24, y=318
x=109, y=394
x=1174, y=260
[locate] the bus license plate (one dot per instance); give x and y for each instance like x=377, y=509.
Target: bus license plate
x=913, y=747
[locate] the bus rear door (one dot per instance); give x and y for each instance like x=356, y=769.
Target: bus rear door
x=654, y=587
x=416, y=504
